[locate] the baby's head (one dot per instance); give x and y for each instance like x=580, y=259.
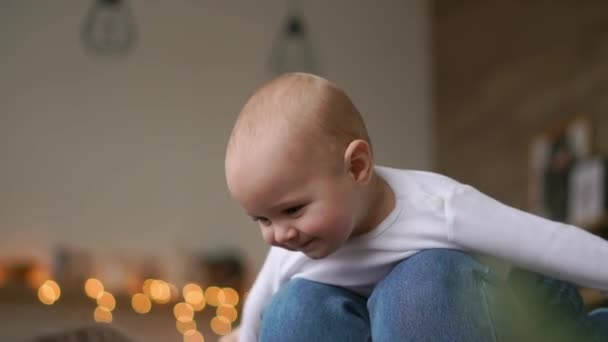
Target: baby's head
x=299, y=161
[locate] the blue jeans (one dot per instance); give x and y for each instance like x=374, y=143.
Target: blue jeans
x=599, y=319
x=435, y=295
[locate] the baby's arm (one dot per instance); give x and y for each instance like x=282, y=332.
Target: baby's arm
x=259, y=296
x=482, y=224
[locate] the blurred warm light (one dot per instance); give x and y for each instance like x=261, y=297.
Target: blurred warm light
x=227, y=311
x=185, y=327
x=231, y=296
x=183, y=312
x=146, y=287
x=221, y=325
x=215, y=296
x=199, y=306
x=106, y=300
x=49, y=292
x=141, y=303
x=46, y=295
x=160, y=292
x=193, y=295
x=173, y=292
x=191, y=287
x=193, y=336
x=102, y=315
x=3, y=275
x=55, y=288
x=93, y=288
x=192, y=292
x=36, y=276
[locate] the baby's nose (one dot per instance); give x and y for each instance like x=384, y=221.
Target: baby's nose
x=284, y=234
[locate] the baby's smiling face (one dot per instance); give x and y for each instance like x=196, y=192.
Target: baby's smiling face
x=300, y=202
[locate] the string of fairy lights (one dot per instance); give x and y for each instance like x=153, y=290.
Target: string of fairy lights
x=190, y=300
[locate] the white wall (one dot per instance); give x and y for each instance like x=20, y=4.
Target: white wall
x=127, y=153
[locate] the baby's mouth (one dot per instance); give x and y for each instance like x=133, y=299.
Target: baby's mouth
x=303, y=246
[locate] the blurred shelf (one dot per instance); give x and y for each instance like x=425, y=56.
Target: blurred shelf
x=598, y=227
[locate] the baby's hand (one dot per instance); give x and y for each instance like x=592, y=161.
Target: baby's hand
x=232, y=337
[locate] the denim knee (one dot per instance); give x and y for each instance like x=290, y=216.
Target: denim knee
x=600, y=315
x=598, y=319
x=434, y=272
x=304, y=310
x=439, y=295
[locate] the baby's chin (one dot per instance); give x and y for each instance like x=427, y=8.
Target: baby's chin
x=314, y=256
x=314, y=250
x=318, y=253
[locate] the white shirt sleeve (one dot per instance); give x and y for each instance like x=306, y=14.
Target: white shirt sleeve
x=259, y=296
x=482, y=224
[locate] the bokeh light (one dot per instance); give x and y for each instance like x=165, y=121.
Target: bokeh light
x=200, y=305
x=141, y=303
x=183, y=312
x=160, y=292
x=93, y=288
x=193, y=336
x=221, y=325
x=47, y=294
x=173, y=292
x=184, y=327
x=193, y=295
x=55, y=287
x=146, y=287
x=215, y=296
x=106, y=300
x=227, y=311
x=231, y=296
x=102, y=315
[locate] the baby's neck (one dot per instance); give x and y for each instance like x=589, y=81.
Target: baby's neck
x=377, y=206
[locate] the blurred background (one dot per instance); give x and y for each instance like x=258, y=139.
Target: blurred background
x=114, y=116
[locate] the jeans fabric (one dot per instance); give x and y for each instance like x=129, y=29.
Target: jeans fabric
x=435, y=295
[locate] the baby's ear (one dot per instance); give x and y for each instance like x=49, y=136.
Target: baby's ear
x=358, y=161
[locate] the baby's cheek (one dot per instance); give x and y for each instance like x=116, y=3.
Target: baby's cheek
x=315, y=227
x=267, y=235
x=328, y=223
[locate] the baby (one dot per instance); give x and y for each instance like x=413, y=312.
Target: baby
x=363, y=252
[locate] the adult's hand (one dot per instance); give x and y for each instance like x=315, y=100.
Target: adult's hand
x=232, y=337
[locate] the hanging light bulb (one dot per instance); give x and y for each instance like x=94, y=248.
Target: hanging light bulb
x=109, y=28
x=292, y=50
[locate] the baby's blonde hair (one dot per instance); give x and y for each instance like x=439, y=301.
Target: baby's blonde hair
x=304, y=106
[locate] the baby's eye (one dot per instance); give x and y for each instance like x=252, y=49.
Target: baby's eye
x=293, y=210
x=262, y=220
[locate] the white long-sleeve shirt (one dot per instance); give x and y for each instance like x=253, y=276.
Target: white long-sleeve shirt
x=434, y=211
